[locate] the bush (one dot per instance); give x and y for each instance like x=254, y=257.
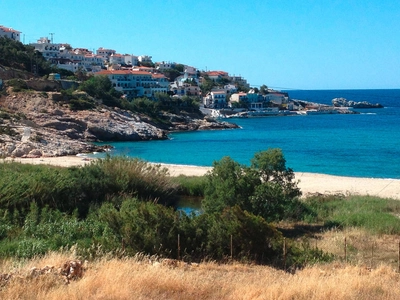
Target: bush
x=81, y=104
x=17, y=84
x=267, y=188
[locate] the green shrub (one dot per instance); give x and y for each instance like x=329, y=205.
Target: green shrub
x=81, y=104
x=266, y=188
x=67, y=189
x=17, y=84
x=301, y=255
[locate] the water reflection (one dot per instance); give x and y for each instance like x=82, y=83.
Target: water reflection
x=190, y=204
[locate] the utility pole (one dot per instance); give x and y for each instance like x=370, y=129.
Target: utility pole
x=52, y=33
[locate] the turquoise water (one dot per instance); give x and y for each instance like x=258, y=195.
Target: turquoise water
x=362, y=145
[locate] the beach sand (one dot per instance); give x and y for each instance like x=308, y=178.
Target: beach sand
x=310, y=183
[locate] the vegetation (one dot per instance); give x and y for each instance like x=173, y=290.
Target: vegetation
x=146, y=277
x=122, y=205
x=17, y=84
x=126, y=203
x=266, y=188
x=16, y=55
x=100, y=87
x=378, y=216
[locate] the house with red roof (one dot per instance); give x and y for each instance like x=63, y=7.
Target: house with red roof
x=10, y=33
x=215, y=75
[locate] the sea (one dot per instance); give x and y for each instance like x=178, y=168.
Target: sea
x=356, y=145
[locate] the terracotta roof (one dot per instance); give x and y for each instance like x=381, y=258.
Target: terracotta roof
x=158, y=76
x=217, y=73
x=116, y=72
x=9, y=29
x=123, y=72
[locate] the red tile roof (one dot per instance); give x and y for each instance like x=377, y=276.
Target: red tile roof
x=158, y=76
x=122, y=72
x=6, y=29
x=217, y=73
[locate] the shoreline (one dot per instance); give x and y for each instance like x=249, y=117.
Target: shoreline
x=310, y=183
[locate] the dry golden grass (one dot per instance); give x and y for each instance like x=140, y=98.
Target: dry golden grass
x=362, y=247
x=132, y=278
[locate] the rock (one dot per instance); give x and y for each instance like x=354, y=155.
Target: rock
x=49, y=128
x=343, y=102
x=22, y=150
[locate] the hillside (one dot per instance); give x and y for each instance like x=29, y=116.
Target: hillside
x=37, y=119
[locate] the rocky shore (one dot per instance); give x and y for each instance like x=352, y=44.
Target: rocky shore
x=35, y=124
x=343, y=102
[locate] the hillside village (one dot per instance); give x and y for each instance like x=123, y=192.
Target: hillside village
x=138, y=76
x=44, y=114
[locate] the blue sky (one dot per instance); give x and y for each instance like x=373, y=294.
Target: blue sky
x=295, y=44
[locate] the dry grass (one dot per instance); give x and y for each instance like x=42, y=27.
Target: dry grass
x=132, y=278
x=362, y=247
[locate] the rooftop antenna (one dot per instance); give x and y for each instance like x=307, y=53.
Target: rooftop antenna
x=52, y=33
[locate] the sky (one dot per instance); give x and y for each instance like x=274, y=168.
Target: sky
x=284, y=44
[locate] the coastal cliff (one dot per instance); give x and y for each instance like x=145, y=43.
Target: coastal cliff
x=38, y=124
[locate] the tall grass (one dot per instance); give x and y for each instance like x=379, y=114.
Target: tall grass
x=73, y=188
x=191, y=185
x=377, y=215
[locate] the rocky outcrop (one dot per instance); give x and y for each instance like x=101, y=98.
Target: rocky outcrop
x=343, y=102
x=187, y=123
x=34, y=124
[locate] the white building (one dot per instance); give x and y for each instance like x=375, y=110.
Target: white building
x=277, y=98
x=105, y=53
x=215, y=99
x=47, y=48
x=238, y=97
x=137, y=83
x=131, y=60
x=238, y=80
x=10, y=33
x=165, y=65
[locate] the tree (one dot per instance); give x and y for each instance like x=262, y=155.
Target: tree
x=23, y=57
x=206, y=85
x=171, y=74
x=263, y=89
x=228, y=184
x=179, y=67
x=100, y=87
x=266, y=188
x=278, y=191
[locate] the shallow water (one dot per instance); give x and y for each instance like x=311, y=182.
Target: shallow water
x=361, y=145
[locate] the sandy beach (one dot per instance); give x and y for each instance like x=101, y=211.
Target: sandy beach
x=309, y=182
